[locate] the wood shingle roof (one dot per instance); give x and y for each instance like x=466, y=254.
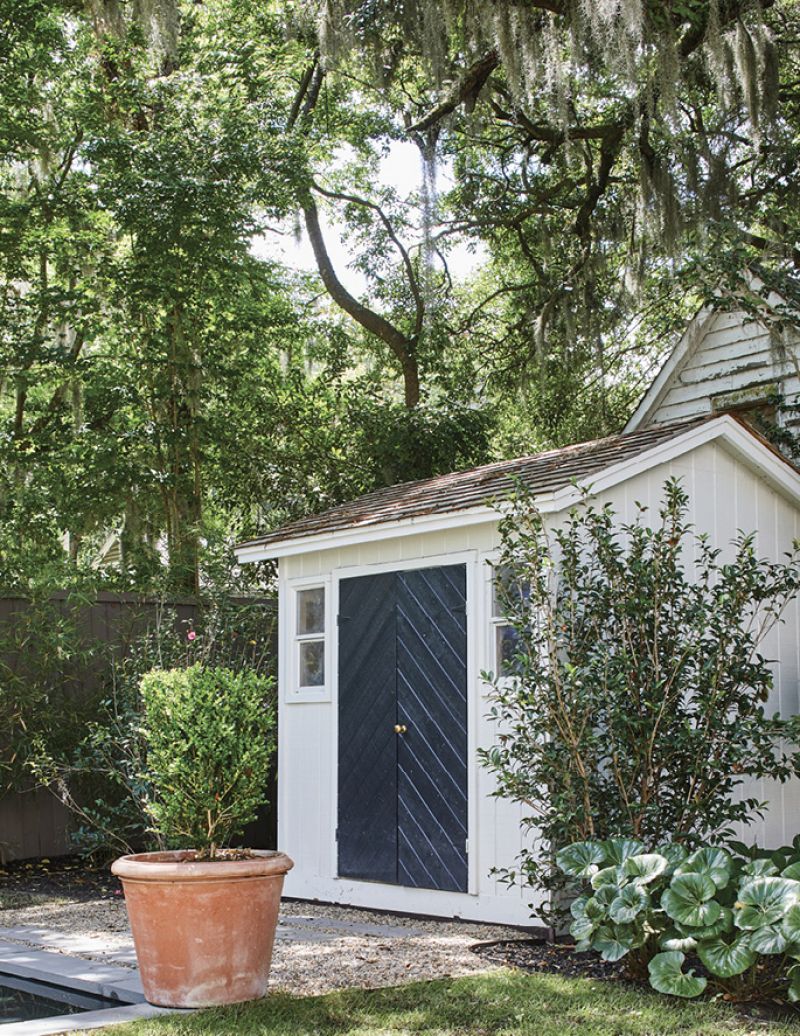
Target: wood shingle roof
x=541, y=473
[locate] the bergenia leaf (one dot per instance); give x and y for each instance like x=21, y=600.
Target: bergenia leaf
x=582, y=928
x=791, y=923
x=644, y=868
x=581, y=859
x=675, y=940
x=688, y=900
x=673, y=853
x=667, y=975
x=722, y=925
x=613, y=943
x=770, y=939
x=618, y=850
x=715, y=863
x=727, y=959
x=764, y=901
x=605, y=895
x=606, y=876
x=760, y=868
x=630, y=902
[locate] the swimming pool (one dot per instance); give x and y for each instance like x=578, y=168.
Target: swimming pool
x=23, y=1000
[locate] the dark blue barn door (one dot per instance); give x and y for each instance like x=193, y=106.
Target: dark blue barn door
x=403, y=728
x=367, y=742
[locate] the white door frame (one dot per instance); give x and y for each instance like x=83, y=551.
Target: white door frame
x=468, y=558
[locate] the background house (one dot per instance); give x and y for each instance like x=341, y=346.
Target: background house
x=728, y=360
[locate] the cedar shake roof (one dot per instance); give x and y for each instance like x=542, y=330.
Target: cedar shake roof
x=460, y=490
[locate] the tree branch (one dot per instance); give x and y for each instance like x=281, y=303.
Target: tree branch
x=729, y=11
x=608, y=156
x=465, y=91
x=413, y=282
x=401, y=345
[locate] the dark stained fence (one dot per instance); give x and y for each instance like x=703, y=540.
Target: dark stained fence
x=34, y=823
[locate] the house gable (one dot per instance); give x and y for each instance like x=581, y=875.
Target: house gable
x=724, y=361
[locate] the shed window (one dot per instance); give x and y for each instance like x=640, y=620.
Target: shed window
x=310, y=637
x=505, y=636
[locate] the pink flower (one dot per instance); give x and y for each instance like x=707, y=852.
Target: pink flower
x=191, y=635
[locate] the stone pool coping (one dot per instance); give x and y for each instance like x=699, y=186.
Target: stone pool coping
x=78, y=975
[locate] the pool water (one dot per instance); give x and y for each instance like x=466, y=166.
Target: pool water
x=22, y=1000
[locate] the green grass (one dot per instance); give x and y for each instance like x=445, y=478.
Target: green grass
x=503, y=1003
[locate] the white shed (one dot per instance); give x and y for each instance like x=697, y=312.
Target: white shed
x=386, y=623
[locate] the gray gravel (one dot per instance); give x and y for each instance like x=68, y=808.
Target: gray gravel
x=319, y=948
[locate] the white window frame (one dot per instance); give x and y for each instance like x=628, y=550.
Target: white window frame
x=493, y=622
x=293, y=692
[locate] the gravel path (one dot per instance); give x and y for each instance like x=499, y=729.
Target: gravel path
x=319, y=948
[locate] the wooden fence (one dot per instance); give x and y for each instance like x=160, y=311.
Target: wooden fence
x=34, y=823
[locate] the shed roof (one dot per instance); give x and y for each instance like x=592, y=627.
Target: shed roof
x=541, y=473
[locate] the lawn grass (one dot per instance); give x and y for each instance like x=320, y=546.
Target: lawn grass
x=502, y=1003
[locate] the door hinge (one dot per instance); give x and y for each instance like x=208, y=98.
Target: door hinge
x=466, y=845
x=336, y=835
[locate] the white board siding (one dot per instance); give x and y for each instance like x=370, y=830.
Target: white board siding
x=725, y=496
x=733, y=353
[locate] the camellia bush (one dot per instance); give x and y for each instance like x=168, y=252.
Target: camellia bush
x=210, y=736
x=736, y=915
x=635, y=699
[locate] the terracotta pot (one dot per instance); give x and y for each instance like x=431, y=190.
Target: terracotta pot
x=203, y=932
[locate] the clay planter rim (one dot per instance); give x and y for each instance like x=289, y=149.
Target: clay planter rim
x=180, y=865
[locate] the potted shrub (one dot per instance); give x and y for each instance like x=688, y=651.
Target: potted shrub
x=204, y=918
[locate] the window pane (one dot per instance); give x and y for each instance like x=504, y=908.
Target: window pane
x=506, y=646
x=311, y=610
x=507, y=582
x=312, y=663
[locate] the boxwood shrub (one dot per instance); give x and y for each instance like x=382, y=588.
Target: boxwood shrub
x=723, y=920
x=210, y=736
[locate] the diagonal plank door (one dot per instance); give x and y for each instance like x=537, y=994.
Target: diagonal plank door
x=432, y=703
x=402, y=661
x=367, y=826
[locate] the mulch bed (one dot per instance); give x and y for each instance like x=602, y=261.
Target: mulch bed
x=554, y=958
x=538, y=955
x=64, y=877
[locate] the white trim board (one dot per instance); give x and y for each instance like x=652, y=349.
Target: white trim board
x=747, y=447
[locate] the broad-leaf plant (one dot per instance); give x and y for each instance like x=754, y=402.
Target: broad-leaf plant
x=734, y=914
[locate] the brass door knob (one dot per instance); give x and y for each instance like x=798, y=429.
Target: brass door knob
x=400, y=728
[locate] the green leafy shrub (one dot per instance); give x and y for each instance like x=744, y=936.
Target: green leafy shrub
x=736, y=913
x=210, y=737
x=99, y=771
x=635, y=698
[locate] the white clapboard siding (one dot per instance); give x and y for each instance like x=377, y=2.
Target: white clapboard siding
x=719, y=354
x=728, y=491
